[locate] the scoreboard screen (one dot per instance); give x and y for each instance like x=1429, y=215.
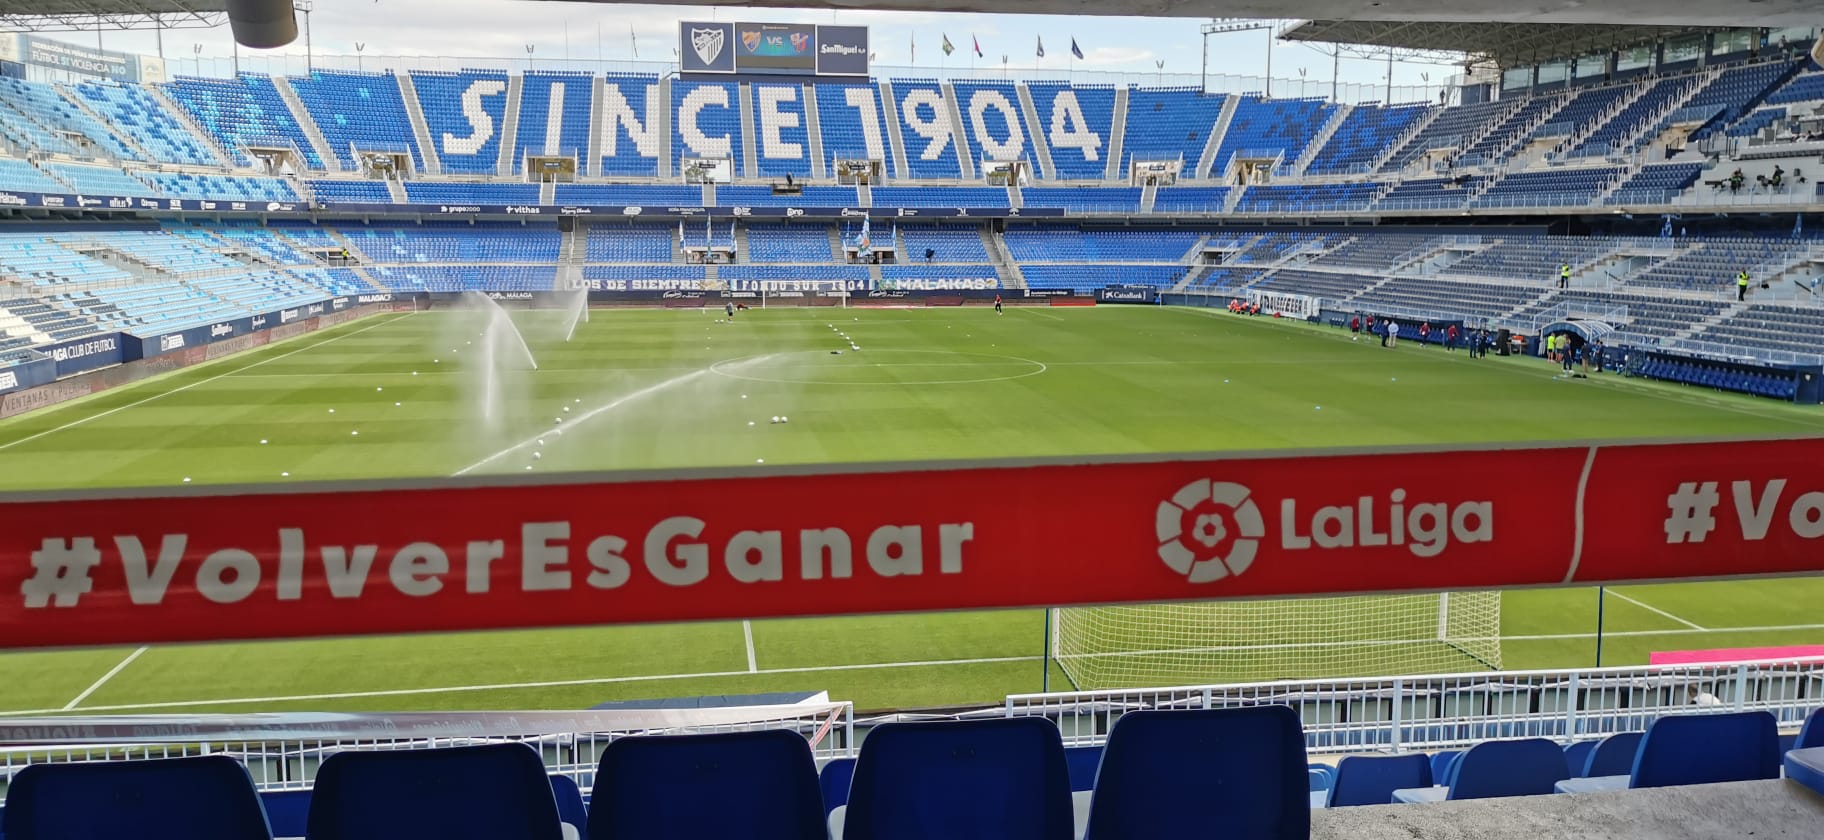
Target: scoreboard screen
x=793, y=49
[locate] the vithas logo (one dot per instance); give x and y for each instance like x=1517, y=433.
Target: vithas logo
x=1194, y=523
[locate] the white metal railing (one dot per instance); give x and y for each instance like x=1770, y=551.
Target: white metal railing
x=1446, y=711
x=283, y=751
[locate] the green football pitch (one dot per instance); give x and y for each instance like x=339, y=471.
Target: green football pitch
x=680, y=388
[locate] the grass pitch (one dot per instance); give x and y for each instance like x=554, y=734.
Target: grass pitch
x=680, y=389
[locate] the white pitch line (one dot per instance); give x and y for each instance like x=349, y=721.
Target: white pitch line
x=104, y=679
x=1031, y=311
x=872, y=666
x=406, y=692
x=1650, y=608
x=747, y=629
x=162, y=394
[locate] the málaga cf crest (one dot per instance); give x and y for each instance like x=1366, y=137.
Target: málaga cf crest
x=708, y=43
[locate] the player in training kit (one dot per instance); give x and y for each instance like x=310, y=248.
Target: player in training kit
x=997, y=305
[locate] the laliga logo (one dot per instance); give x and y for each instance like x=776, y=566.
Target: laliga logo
x=1198, y=521
x=1199, y=502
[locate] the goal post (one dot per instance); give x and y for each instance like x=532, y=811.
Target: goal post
x=1248, y=641
x=1288, y=305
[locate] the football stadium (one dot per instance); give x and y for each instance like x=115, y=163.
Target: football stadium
x=500, y=447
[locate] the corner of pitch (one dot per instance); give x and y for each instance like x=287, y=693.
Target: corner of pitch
x=676, y=551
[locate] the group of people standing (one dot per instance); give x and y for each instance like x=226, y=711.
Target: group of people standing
x=1476, y=341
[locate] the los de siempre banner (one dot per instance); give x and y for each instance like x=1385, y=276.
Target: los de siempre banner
x=309, y=560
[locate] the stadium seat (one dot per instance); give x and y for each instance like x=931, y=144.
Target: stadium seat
x=1576, y=755
x=760, y=785
x=1231, y=772
x=1493, y=769
x=1082, y=763
x=487, y=792
x=985, y=779
x=1811, y=735
x=1613, y=756
x=204, y=798
x=570, y=807
x=1807, y=768
x=834, y=780
x=1441, y=763
x=1372, y=779
x=287, y=811
x=1696, y=750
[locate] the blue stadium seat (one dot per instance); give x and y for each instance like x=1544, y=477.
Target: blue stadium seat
x=487, y=792
x=1000, y=779
x=833, y=780
x=1082, y=763
x=1228, y=772
x=1811, y=735
x=204, y=798
x=287, y=811
x=570, y=807
x=1695, y=750
x=1806, y=767
x=1576, y=755
x=760, y=785
x=1441, y=763
x=1613, y=756
x=1701, y=749
x=1508, y=768
x=1371, y=780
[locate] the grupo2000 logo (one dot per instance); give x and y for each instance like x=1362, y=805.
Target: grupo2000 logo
x=1193, y=525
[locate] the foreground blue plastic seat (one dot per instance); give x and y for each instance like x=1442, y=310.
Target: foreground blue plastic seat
x=756, y=785
x=1372, y=779
x=1697, y=750
x=488, y=792
x=1811, y=735
x=570, y=808
x=1577, y=756
x=1613, y=756
x=1234, y=773
x=1494, y=769
x=205, y=798
x=989, y=779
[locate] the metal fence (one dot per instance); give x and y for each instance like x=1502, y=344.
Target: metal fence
x=283, y=751
x=1448, y=711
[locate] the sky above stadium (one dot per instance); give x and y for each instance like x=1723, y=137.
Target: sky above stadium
x=583, y=31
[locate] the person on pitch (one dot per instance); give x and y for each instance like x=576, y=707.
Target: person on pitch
x=997, y=304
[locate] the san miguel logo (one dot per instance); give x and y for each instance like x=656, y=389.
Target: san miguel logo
x=1209, y=530
x=708, y=43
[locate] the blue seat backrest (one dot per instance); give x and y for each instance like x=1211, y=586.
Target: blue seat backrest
x=1702, y=749
x=834, y=780
x=1234, y=772
x=1812, y=733
x=960, y=780
x=287, y=811
x=205, y=798
x=569, y=797
x=1577, y=755
x=760, y=785
x=1613, y=756
x=1525, y=767
x=1082, y=763
x=1372, y=779
x=1440, y=765
x=487, y=792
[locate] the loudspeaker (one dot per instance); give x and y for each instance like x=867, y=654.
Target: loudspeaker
x=262, y=24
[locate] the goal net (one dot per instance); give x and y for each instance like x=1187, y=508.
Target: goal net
x=1246, y=641
x=1289, y=305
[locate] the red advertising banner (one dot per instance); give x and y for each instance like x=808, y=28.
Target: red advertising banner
x=470, y=554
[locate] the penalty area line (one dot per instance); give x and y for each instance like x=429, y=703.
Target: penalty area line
x=121, y=666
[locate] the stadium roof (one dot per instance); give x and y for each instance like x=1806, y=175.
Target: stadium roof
x=87, y=15
x=1508, y=44
x=1698, y=13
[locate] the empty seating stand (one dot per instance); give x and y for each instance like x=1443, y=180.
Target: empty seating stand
x=1697, y=749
